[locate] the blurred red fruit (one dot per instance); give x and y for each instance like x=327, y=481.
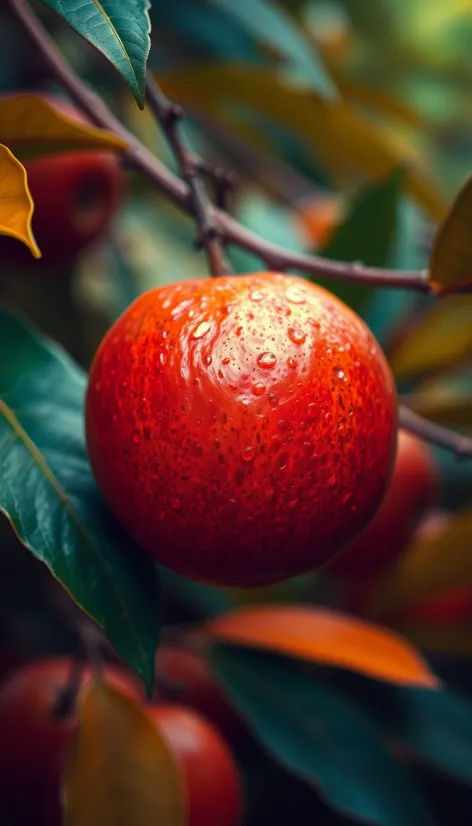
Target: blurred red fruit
x=75, y=195
x=451, y=607
x=34, y=740
x=213, y=787
x=413, y=489
x=189, y=681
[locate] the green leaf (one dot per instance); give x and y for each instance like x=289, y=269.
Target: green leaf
x=435, y=725
x=270, y=24
x=320, y=736
x=48, y=493
x=366, y=234
x=117, y=28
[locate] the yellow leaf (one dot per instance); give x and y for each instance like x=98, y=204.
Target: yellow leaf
x=380, y=101
x=16, y=203
x=120, y=771
x=453, y=411
x=442, y=338
x=32, y=125
x=430, y=567
x=324, y=636
x=347, y=143
x=451, y=256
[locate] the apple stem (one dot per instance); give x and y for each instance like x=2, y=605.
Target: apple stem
x=66, y=702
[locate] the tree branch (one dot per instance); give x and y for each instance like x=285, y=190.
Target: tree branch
x=170, y=116
x=438, y=435
x=229, y=230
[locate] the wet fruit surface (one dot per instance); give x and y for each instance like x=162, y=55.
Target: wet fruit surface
x=242, y=429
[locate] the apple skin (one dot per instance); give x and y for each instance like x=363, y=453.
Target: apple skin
x=75, y=193
x=34, y=742
x=211, y=779
x=242, y=429
x=414, y=488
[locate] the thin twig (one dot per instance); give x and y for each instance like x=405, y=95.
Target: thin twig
x=438, y=435
x=223, y=181
x=230, y=231
x=170, y=116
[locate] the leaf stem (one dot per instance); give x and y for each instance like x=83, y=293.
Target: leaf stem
x=66, y=701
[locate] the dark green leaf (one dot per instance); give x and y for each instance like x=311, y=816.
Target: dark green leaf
x=319, y=735
x=271, y=25
x=205, y=29
x=367, y=234
x=117, y=28
x=48, y=493
x=435, y=725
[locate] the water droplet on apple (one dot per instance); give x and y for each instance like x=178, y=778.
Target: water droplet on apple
x=247, y=454
x=295, y=295
x=258, y=389
x=266, y=360
x=202, y=329
x=296, y=335
x=175, y=504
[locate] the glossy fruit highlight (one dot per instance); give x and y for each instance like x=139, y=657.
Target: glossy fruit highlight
x=34, y=740
x=242, y=429
x=413, y=490
x=212, y=784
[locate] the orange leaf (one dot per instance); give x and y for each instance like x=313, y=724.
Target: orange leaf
x=323, y=636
